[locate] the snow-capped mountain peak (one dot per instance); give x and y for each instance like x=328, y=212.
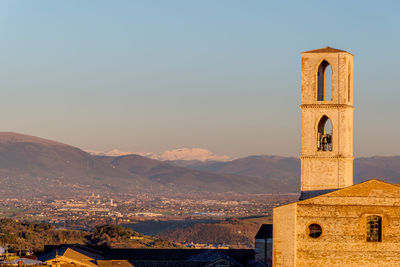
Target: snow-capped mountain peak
x=184, y=153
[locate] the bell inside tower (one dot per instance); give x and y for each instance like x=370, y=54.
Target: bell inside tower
x=324, y=140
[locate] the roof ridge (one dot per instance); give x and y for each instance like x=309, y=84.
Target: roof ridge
x=326, y=49
x=335, y=192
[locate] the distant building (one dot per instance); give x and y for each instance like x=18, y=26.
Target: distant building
x=183, y=257
x=71, y=256
x=263, y=244
x=114, y=263
x=21, y=261
x=335, y=223
x=78, y=256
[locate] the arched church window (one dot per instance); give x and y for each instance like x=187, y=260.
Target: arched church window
x=314, y=230
x=324, y=138
x=374, y=228
x=324, y=92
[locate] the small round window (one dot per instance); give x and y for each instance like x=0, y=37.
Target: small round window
x=314, y=230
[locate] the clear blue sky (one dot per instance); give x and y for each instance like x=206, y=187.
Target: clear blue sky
x=222, y=75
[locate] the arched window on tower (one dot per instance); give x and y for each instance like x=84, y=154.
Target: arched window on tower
x=324, y=91
x=324, y=138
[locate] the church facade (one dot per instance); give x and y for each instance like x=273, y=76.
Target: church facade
x=335, y=223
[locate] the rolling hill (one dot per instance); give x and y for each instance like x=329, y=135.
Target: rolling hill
x=187, y=179
x=287, y=169
x=32, y=166
x=284, y=171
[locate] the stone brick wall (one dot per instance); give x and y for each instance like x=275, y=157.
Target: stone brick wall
x=284, y=236
x=343, y=240
x=342, y=215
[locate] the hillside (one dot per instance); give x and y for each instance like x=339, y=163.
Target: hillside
x=32, y=166
x=286, y=170
x=188, y=179
x=34, y=236
x=274, y=169
x=383, y=168
x=239, y=233
x=27, y=161
x=116, y=236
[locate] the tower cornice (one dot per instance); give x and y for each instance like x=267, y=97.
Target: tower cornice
x=326, y=157
x=326, y=106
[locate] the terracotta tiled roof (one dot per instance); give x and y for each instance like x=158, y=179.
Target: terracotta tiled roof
x=326, y=50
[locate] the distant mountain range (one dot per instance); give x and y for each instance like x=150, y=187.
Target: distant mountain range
x=199, y=154
x=286, y=170
x=32, y=166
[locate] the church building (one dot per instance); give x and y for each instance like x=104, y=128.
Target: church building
x=335, y=223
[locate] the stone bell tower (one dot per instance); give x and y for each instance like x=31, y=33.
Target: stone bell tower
x=326, y=121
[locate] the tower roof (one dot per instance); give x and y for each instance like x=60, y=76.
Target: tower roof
x=326, y=50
